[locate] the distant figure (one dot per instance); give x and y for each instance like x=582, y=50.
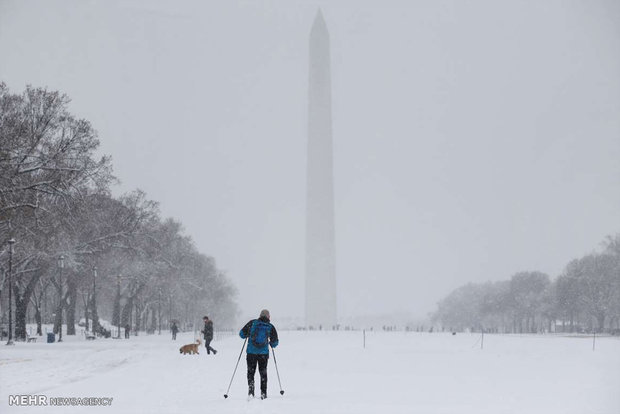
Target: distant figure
x=127, y=330
x=260, y=333
x=174, y=329
x=208, y=335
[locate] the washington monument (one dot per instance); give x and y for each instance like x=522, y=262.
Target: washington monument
x=320, y=239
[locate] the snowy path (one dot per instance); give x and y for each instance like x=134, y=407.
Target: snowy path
x=325, y=372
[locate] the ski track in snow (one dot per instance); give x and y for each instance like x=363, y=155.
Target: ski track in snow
x=324, y=372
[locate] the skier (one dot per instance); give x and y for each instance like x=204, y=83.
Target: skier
x=207, y=331
x=174, y=329
x=260, y=333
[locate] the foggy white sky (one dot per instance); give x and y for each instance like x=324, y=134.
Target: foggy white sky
x=472, y=139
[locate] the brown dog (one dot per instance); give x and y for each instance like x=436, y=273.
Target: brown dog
x=190, y=348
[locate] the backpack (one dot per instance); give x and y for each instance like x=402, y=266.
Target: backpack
x=260, y=336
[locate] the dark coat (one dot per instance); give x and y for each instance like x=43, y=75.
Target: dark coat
x=208, y=330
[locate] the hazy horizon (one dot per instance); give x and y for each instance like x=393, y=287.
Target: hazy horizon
x=471, y=140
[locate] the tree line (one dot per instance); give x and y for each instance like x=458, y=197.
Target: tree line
x=584, y=298
x=71, y=249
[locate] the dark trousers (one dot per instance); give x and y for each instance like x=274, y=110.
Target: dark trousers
x=261, y=360
x=208, y=346
x=174, y=336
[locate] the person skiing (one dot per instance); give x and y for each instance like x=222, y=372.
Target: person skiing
x=207, y=331
x=174, y=329
x=261, y=334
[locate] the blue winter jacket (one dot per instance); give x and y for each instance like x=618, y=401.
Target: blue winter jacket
x=248, y=330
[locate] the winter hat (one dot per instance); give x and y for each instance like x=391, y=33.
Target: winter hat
x=264, y=314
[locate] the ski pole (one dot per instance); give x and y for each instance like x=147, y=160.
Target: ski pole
x=235, y=371
x=275, y=362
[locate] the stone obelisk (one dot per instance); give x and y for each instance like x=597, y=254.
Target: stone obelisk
x=320, y=238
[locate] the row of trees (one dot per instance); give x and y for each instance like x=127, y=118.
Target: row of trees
x=63, y=234
x=585, y=297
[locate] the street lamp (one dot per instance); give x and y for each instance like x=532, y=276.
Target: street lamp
x=11, y=243
x=118, y=297
x=95, y=316
x=159, y=311
x=61, y=265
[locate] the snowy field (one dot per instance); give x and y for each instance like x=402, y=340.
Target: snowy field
x=324, y=372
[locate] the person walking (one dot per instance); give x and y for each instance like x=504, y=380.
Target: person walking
x=207, y=331
x=174, y=329
x=127, y=330
x=261, y=334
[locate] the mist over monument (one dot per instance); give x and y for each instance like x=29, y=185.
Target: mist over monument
x=321, y=308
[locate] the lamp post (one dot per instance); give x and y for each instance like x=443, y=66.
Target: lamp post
x=11, y=243
x=159, y=311
x=95, y=316
x=61, y=265
x=118, y=295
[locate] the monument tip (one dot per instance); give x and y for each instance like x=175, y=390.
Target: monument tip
x=319, y=20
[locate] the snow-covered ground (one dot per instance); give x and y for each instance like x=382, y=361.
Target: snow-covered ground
x=324, y=372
